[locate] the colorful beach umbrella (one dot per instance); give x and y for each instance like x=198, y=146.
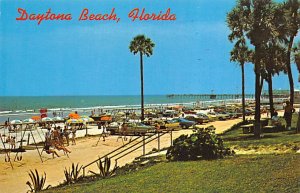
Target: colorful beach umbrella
x=16, y=122
x=86, y=119
x=28, y=121
x=46, y=119
x=74, y=121
x=36, y=118
x=74, y=116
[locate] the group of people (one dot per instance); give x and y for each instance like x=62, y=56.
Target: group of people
x=54, y=139
x=288, y=113
x=11, y=140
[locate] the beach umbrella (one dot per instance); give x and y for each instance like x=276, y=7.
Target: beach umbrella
x=57, y=119
x=74, y=116
x=86, y=119
x=74, y=121
x=16, y=122
x=36, y=118
x=28, y=121
x=46, y=119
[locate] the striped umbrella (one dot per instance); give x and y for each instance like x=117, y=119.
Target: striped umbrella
x=28, y=121
x=46, y=119
x=16, y=122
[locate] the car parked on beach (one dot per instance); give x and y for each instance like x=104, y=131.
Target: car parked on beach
x=172, y=125
x=204, y=117
x=195, y=118
x=184, y=123
x=132, y=128
x=219, y=116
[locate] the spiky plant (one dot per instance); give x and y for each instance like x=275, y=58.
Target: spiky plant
x=104, y=168
x=76, y=169
x=37, y=181
x=68, y=176
x=72, y=174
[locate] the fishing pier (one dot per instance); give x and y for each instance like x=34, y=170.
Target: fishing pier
x=210, y=96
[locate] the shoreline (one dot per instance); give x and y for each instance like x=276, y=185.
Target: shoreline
x=25, y=113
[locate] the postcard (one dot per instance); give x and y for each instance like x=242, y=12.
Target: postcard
x=149, y=95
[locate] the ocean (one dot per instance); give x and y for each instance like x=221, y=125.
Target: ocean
x=22, y=107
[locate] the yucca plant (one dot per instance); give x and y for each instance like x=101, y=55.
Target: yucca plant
x=72, y=174
x=76, y=171
x=68, y=176
x=37, y=182
x=104, y=168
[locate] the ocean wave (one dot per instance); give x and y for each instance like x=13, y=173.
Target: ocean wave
x=5, y=112
x=17, y=114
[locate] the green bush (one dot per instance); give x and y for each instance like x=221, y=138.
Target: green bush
x=202, y=144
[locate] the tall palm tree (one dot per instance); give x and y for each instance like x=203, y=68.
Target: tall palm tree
x=240, y=52
x=274, y=64
x=144, y=46
x=257, y=17
x=289, y=29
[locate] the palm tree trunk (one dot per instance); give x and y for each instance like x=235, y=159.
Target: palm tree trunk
x=258, y=88
x=142, y=87
x=243, y=92
x=298, y=123
x=289, y=70
x=271, y=102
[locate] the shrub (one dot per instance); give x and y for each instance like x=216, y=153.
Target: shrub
x=104, y=168
x=37, y=181
x=202, y=144
x=72, y=174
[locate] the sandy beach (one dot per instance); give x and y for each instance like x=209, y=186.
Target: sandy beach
x=85, y=151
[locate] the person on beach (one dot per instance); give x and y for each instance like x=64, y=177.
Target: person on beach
x=59, y=146
x=49, y=150
x=157, y=126
x=124, y=131
x=275, y=120
x=13, y=143
x=73, y=136
x=66, y=133
x=48, y=134
x=288, y=112
x=103, y=128
x=61, y=136
x=55, y=133
x=8, y=139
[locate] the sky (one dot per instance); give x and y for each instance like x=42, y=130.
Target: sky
x=191, y=54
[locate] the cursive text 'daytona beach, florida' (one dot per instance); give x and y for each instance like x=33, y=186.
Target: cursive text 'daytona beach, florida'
x=135, y=14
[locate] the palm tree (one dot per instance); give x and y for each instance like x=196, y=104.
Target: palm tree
x=144, y=46
x=274, y=64
x=240, y=52
x=289, y=28
x=257, y=17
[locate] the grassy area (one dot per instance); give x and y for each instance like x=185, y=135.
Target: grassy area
x=289, y=139
x=251, y=173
